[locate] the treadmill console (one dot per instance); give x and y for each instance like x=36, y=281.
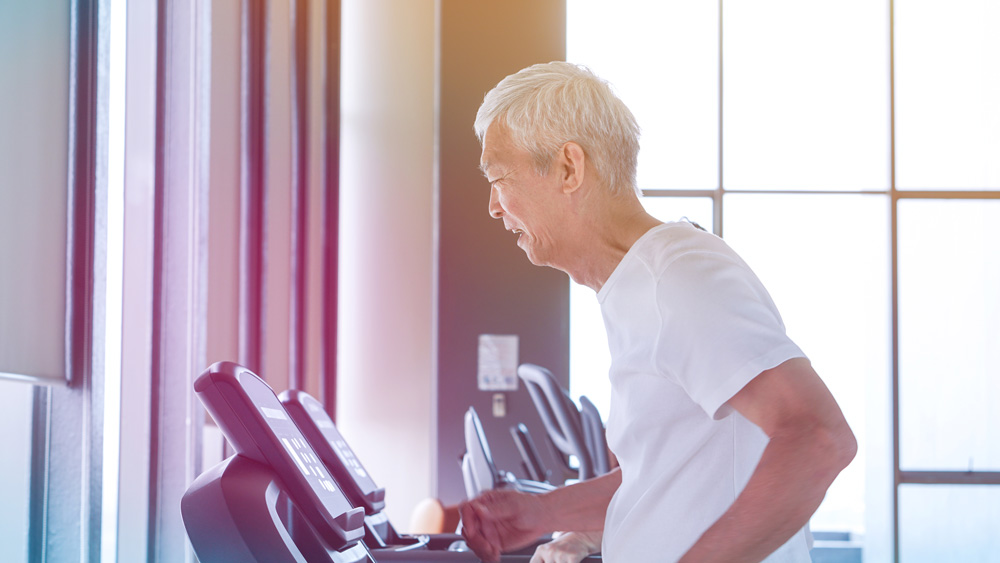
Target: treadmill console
x=318, y=427
x=258, y=427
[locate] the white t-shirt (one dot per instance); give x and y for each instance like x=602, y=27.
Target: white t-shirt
x=689, y=325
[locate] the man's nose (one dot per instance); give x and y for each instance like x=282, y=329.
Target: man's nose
x=496, y=211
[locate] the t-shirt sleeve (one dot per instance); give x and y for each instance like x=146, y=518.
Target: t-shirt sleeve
x=719, y=328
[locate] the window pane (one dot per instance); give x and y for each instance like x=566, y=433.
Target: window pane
x=949, y=334
x=823, y=258
x=589, y=357
x=949, y=523
x=806, y=95
x=663, y=60
x=34, y=106
x=15, y=443
x=947, y=64
x=697, y=209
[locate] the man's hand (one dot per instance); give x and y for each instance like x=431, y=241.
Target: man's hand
x=500, y=521
x=571, y=547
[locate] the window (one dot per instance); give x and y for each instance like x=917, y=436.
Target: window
x=859, y=179
x=34, y=96
x=15, y=442
x=949, y=311
x=53, y=222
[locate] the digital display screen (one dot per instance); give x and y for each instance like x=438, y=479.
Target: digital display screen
x=295, y=444
x=339, y=445
x=349, y=459
x=307, y=461
x=274, y=413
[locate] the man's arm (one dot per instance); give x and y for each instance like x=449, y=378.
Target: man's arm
x=501, y=521
x=810, y=443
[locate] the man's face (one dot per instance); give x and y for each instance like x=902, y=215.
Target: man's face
x=526, y=201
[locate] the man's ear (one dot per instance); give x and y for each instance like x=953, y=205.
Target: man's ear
x=572, y=163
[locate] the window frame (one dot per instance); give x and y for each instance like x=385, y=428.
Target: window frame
x=894, y=195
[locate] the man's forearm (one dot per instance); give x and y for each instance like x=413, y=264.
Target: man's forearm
x=784, y=491
x=582, y=506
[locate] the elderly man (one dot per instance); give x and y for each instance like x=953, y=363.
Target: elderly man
x=727, y=439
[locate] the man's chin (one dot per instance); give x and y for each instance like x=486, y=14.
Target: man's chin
x=535, y=259
x=530, y=252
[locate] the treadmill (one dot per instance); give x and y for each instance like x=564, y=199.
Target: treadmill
x=275, y=501
x=479, y=471
x=242, y=509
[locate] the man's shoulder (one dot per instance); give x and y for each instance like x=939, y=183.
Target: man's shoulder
x=668, y=242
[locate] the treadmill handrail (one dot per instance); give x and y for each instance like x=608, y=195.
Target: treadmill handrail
x=531, y=461
x=559, y=415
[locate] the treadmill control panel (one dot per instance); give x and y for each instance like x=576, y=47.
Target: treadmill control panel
x=258, y=427
x=318, y=427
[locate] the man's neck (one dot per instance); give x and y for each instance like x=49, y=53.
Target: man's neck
x=605, y=235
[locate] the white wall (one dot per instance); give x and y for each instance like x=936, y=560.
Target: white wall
x=34, y=140
x=384, y=405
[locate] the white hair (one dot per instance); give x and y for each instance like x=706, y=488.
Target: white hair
x=547, y=105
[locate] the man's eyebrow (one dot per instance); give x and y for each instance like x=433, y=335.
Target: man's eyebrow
x=484, y=167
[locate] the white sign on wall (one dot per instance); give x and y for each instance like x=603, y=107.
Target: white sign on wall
x=497, y=362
